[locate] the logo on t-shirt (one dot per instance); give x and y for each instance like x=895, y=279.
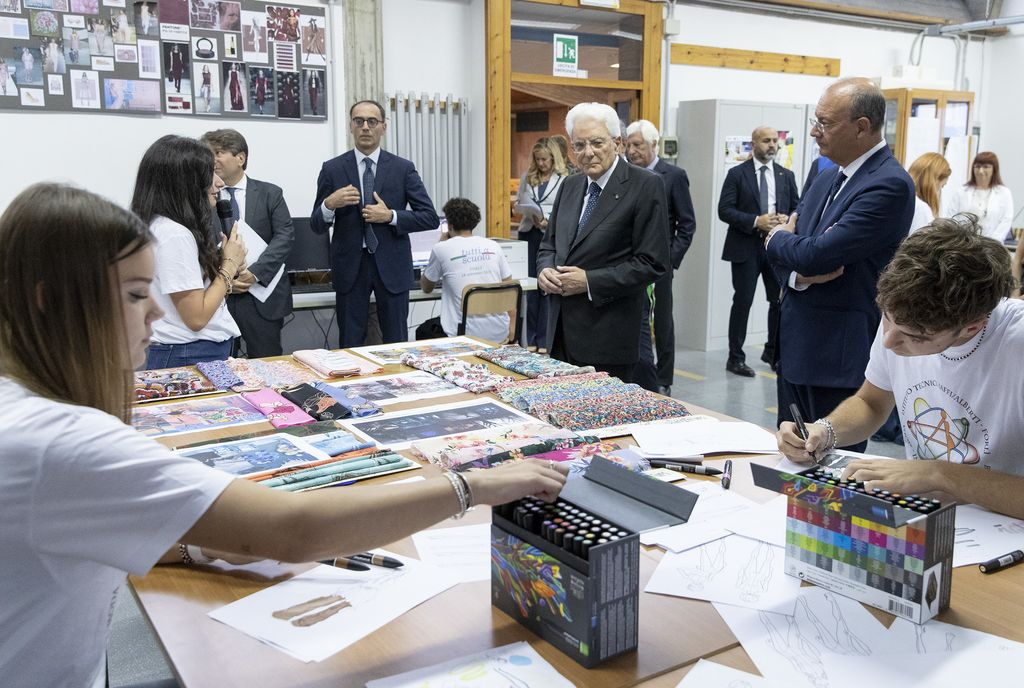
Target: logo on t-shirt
x=474, y=255
x=935, y=432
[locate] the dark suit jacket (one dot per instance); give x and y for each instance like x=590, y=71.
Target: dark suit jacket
x=267, y=214
x=682, y=222
x=826, y=330
x=398, y=183
x=739, y=207
x=623, y=248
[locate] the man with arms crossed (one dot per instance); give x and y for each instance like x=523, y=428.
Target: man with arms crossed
x=364, y=194
x=605, y=242
x=947, y=355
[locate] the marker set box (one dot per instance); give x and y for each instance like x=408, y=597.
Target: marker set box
x=892, y=551
x=569, y=571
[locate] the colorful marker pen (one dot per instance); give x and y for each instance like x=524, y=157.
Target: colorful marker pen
x=727, y=474
x=377, y=560
x=686, y=468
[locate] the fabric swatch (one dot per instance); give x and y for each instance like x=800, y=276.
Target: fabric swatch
x=357, y=406
x=475, y=377
x=220, y=374
x=315, y=402
x=170, y=383
x=532, y=365
x=335, y=363
x=279, y=411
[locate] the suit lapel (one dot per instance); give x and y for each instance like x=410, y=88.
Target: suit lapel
x=574, y=189
x=859, y=179
x=383, y=166
x=750, y=176
x=781, y=191
x=608, y=199
x=252, y=201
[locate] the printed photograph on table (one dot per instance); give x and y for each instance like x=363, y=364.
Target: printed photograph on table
x=28, y=67
x=288, y=91
x=147, y=21
x=396, y=389
x=314, y=94
x=283, y=23
x=400, y=429
x=131, y=94
x=168, y=383
x=101, y=41
x=204, y=48
x=235, y=87
x=85, y=89
x=256, y=455
x=388, y=354
x=261, y=92
x=314, y=41
x=158, y=420
x=254, y=37
x=43, y=23
x=207, y=80
x=122, y=24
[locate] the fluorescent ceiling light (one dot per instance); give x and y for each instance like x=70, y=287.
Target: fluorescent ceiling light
x=626, y=34
x=558, y=26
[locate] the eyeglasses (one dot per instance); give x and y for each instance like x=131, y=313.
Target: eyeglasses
x=819, y=125
x=596, y=144
x=360, y=121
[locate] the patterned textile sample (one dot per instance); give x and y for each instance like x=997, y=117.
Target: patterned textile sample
x=357, y=406
x=476, y=377
x=335, y=363
x=478, y=446
x=616, y=409
x=519, y=360
x=279, y=411
x=220, y=374
x=316, y=403
x=170, y=383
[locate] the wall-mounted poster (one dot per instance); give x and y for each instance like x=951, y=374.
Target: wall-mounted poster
x=76, y=48
x=178, y=88
x=235, y=79
x=283, y=23
x=131, y=94
x=231, y=46
x=314, y=41
x=28, y=66
x=314, y=96
x=55, y=84
x=126, y=53
x=85, y=89
x=254, y=36
x=52, y=50
x=43, y=23
x=206, y=77
x=85, y=6
x=288, y=93
x=10, y=6
x=122, y=27
x=146, y=20
x=216, y=15
x=261, y=92
x=8, y=87
x=101, y=41
x=204, y=48
x=56, y=5
x=149, y=59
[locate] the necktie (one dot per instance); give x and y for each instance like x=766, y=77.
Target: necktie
x=235, y=214
x=593, y=195
x=369, y=238
x=763, y=190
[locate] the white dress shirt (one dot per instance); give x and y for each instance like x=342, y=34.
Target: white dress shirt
x=239, y=194
x=770, y=178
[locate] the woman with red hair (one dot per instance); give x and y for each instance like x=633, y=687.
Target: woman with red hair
x=985, y=196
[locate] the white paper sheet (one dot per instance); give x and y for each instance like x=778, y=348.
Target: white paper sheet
x=363, y=600
x=936, y=636
x=945, y=670
x=982, y=535
x=732, y=570
x=705, y=437
x=765, y=522
x=254, y=248
x=463, y=552
x=517, y=664
x=789, y=646
x=713, y=506
x=707, y=674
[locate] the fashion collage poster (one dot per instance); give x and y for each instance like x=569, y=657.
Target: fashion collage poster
x=211, y=58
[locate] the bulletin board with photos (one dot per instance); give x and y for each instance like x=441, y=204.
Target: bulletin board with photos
x=208, y=58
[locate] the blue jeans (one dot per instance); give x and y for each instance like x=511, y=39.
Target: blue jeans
x=174, y=355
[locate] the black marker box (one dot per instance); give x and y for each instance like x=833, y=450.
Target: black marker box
x=587, y=608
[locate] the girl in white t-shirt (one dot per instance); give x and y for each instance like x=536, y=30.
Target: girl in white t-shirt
x=85, y=499
x=930, y=173
x=175, y=190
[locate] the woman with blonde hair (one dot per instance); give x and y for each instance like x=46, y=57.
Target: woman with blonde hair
x=86, y=499
x=538, y=190
x=930, y=173
x=985, y=197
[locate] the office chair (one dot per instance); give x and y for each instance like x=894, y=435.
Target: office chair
x=491, y=299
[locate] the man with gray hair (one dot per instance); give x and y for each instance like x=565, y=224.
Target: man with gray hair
x=605, y=242
x=642, y=139
x=829, y=254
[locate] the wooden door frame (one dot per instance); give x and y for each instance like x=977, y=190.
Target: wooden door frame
x=498, y=28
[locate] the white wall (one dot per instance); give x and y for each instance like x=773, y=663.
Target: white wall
x=102, y=152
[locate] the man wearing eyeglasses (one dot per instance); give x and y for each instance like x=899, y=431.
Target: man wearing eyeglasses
x=374, y=200
x=829, y=254
x=606, y=241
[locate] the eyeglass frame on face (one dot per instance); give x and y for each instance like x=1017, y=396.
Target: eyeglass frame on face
x=595, y=145
x=360, y=121
x=823, y=127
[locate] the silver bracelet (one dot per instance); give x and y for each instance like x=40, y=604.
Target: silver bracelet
x=470, y=502
x=831, y=440
x=460, y=492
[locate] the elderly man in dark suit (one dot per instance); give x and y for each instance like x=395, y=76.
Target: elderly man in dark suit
x=642, y=139
x=364, y=194
x=605, y=242
x=756, y=196
x=830, y=253
x=261, y=206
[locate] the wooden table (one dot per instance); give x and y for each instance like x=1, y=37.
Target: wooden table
x=674, y=632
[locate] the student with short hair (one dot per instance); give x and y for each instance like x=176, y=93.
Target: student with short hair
x=86, y=499
x=947, y=356
x=462, y=260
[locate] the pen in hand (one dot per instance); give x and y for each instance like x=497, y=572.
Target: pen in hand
x=801, y=427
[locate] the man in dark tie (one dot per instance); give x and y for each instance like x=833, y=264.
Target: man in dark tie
x=262, y=297
x=642, y=139
x=605, y=242
x=830, y=253
x=756, y=196
x=364, y=194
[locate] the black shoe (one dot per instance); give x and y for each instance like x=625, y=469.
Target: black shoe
x=665, y=390
x=740, y=368
x=769, y=358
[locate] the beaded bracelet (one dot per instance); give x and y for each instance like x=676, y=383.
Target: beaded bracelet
x=831, y=440
x=191, y=554
x=460, y=492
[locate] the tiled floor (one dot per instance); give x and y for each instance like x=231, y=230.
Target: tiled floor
x=136, y=659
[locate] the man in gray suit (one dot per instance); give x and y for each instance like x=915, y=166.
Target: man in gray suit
x=605, y=242
x=261, y=205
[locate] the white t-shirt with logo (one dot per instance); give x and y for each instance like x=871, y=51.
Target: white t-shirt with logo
x=85, y=499
x=461, y=261
x=966, y=411
x=178, y=269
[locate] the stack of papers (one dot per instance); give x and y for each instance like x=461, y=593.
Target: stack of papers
x=707, y=436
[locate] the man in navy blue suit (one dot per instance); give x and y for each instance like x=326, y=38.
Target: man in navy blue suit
x=830, y=253
x=364, y=194
x=756, y=196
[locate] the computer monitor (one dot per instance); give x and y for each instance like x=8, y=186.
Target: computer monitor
x=310, y=251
